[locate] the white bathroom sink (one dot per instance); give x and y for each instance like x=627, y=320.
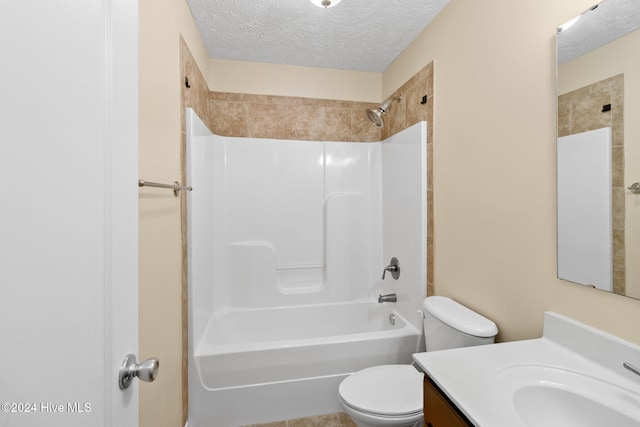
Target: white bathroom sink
x=575, y=375
x=548, y=396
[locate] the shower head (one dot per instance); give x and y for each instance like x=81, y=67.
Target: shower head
x=376, y=115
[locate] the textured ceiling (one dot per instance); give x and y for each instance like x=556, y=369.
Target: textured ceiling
x=609, y=21
x=362, y=35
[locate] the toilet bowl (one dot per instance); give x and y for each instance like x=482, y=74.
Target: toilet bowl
x=386, y=395
x=391, y=395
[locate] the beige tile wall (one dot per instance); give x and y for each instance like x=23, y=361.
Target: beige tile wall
x=581, y=111
x=283, y=117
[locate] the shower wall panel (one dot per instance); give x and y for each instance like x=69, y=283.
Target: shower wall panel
x=299, y=224
x=285, y=223
x=353, y=217
x=207, y=258
x=404, y=213
x=585, y=246
x=294, y=222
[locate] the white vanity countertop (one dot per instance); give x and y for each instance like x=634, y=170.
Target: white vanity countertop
x=467, y=374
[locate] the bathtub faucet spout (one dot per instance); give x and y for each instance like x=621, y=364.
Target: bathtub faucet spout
x=387, y=298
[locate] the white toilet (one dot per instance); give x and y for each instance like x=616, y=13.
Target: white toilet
x=391, y=395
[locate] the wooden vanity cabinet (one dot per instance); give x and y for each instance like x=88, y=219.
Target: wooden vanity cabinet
x=439, y=411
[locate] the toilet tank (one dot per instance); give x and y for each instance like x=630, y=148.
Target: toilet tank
x=448, y=324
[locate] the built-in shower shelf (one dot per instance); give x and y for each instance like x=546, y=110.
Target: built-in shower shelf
x=300, y=266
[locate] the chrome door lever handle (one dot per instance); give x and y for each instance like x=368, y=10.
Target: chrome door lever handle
x=147, y=370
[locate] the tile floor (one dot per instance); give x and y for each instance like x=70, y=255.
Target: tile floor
x=331, y=420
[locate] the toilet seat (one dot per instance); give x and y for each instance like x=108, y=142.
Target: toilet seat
x=386, y=390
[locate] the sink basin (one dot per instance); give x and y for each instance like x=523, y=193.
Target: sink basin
x=574, y=375
x=548, y=396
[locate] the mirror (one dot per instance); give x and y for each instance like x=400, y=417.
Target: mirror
x=599, y=148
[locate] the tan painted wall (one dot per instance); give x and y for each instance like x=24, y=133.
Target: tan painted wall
x=161, y=23
x=494, y=165
x=288, y=80
x=610, y=60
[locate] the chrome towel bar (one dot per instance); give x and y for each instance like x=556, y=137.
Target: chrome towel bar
x=176, y=187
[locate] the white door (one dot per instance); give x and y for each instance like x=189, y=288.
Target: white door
x=68, y=211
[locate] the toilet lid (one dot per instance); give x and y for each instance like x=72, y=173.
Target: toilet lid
x=392, y=390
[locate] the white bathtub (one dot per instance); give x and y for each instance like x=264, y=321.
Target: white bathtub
x=261, y=365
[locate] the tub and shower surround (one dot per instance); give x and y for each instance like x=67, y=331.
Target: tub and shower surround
x=285, y=257
x=282, y=223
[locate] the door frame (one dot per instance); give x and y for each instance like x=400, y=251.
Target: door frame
x=121, y=158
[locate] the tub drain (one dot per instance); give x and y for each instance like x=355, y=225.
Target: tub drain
x=392, y=319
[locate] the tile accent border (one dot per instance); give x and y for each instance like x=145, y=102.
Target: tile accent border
x=283, y=117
